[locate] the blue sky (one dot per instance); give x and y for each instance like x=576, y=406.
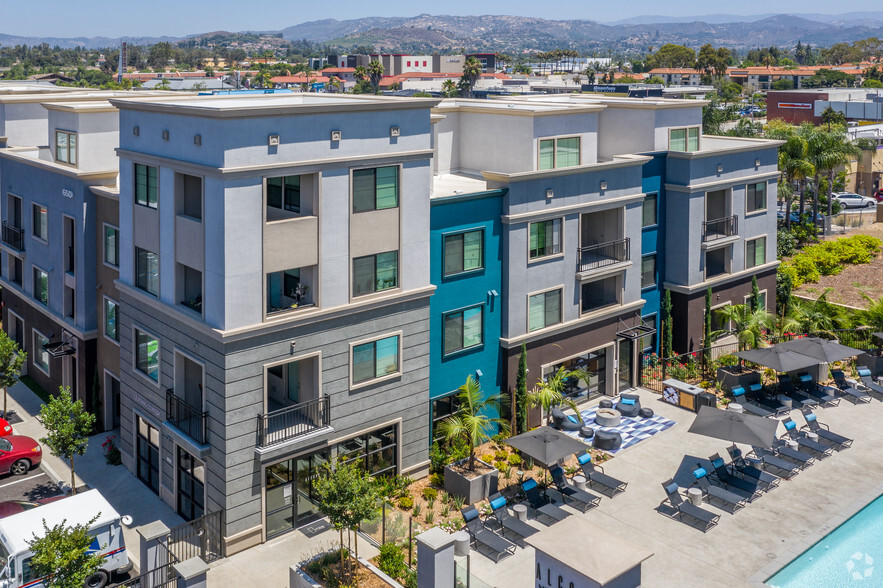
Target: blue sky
x=66, y=18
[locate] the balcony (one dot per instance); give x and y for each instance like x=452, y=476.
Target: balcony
x=720, y=228
x=14, y=236
x=293, y=421
x=189, y=420
x=603, y=254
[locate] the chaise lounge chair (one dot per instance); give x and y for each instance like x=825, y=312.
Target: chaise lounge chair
x=507, y=521
x=814, y=447
x=864, y=375
x=803, y=460
x=629, y=405
x=481, y=535
x=595, y=475
x=540, y=504
x=738, y=463
x=769, y=458
x=565, y=422
x=757, y=394
x=820, y=393
x=731, y=500
x=786, y=387
x=683, y=508
x=585, y=500
x=839, y=442
x=728, y=480
x=855, y=394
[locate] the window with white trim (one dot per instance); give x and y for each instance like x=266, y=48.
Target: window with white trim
x=543, y=310
x=375, y=359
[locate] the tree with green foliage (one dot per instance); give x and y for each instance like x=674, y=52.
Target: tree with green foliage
x=549, y=391
x=61, y=555
x=471, y=72
x=784, y=286
x=829, y=78
x=671, y=55
x=476, y=419
x=375, y=74
x=449, y=88
x=666, y=325
x=68, y=426
x=754, y=298
x=729, y=92
x=748, y=326
x=783, y=85
x=832, y=117
x=794, y=164
x=11, y=359
x=818, y=316
x=706, y=334
x=656, y=80
x=521, y=392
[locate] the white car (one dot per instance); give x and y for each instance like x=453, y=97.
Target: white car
x=853, y=200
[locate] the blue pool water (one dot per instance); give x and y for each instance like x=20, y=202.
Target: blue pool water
x=850, y=555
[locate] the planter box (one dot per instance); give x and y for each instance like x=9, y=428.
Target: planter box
x=872, y=361
x=730, y=378
x=471, y=489
x=299, y=578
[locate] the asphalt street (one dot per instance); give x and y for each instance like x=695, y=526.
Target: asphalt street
x=32, y=486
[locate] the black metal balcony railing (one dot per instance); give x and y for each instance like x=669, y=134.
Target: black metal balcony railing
x=293, y=421
x=719, y=228
x=189, y=420
x=603, y=254
x=14, y=236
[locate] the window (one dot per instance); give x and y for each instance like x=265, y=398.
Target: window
x=375, y=273
x=556, y=153
x=375, y=359
x=375, y=188
x=545, y=238
x=284, y=193
x=761, y=299
x=147, y=271
x=147, y=355
x=111, y=310
x=647, y=343
x=41, y=286
x=718, y=323
x=287, y=290
x=755, y=252
x=601, y=293
x=463, y=329
x=41, y=356
x=464, y=252
x=717, y=261
x=756, y=197
x=146, y=185
x=649, y=211
x=648, y=270
x=544, y=310
x=111, y=245
x=66, y=147
x=41, y=222
x=443, y=409
x=683, y=139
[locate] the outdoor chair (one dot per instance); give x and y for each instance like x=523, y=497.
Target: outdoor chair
x=839, y=442
x=629, y=405
x=581, y=498
x=864, y=375
x=539, y=503
x=770, y=458
x=786, y=387
x=683, y=508
x=731, y=500
x=748, y=405
x=744, y=467
x=820, y=393
x=564, y=422
x=758, y=394
x=481, y=535
x=728, y=480
x=507, y=521
x=595, y=475
x=855, y=394
x=803, y=460
x=791, y=432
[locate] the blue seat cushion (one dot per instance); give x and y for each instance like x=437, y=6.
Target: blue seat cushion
x=572, y=419
x=584, y=458
x=810, y=418
x=627, y=401
x=470, y=514
x=498, y=503
x=738, y=391
x=671, y=488
x=718, y=463
x=790, y=425
x=699, y=473
x=556, y=471
x=529, y=485
x=866, y=373
x=755, y=387
x=806, y=378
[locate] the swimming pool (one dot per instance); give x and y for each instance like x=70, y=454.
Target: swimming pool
x=847, y=556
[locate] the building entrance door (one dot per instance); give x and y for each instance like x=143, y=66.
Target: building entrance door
x=290, y=497
x=148, y=454
x=191, y=486
x=626, y=362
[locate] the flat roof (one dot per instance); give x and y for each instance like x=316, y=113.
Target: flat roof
x=456, y=185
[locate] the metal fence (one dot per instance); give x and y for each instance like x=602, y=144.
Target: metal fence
x=162, y=577
x=202, y=537
x=390, y=525
x=844, y=221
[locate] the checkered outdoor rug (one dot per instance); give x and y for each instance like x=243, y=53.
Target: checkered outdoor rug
x=632, y=429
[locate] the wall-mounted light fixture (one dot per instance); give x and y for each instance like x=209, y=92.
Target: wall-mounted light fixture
x=136, y=130
x=757, y=163
x=165, y=135
x=273, y=140
x=394, y=131
x=720, y=168
x=550, y=193
x=603, y=185
x=336, y=135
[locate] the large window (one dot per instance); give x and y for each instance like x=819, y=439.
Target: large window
x=41, y=286
x=463, y=329
x=147, y=355
x=648, y=270
x=562, y=152
x=40, y=355
x=756, y=197
x=111, y=310
x=41, y=222
x=464, y=252
x=111, y=245
x=649, y=211
x=147, y=271
x=601, y=293
x=287, y=290
x=284, y=193
x=66, y=147
x=442, y=409
x=146, y=185
x=545, y=238
x=375, y=359
x=376, y=188
x=755, y=252
x=717, y=261
x=375, y=273
x=683, y=139
x=544, y=310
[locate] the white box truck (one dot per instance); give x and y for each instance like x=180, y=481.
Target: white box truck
x=17, y=530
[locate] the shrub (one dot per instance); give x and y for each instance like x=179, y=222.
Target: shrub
x=727, y=360
x=430, y=516
x=416, y=511
x=514, y=459
x=437, y=480
x=487, y=458
x=391, y=560
x=430, y=503
x=785, y=244
x=430, y=494
x=406, y=502
x=829, y=258
x=501, y=455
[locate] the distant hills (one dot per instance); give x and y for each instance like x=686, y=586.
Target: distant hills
x=427, y=33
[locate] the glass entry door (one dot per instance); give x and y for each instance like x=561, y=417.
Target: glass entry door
x=191, y=486
x=626, y=373
x=290, y=497
x=148, y=454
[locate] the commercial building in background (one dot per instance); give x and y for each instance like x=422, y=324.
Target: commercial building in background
x=800, y=106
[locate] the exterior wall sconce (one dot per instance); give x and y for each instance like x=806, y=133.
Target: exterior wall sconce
x=165, y=135
x=136, y=130
x=336, y=135
x=720, y=168
x=603, y=185
x=394, y=131
x=550, y=193
x=757, y=163
x=197, y=139
x=273, y=141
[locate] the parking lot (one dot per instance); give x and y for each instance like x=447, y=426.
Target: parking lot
x=33, y=486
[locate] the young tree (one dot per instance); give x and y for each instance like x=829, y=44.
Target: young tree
x=67, y=428
x=549, y=392
x=474, y=421
x=449, y=88
x=521, y=392
x=61, y=555
x=706, y=335
x=748, y=326
x=754, y=299
x=666, y=325
x=11, y=360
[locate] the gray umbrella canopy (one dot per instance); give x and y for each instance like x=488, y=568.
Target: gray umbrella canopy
x=546, y=445
x=820, y=349
x=778, y=358
x=735, y=426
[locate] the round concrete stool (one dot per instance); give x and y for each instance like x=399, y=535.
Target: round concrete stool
x=645, y=413
x=461, y=543
x=608, y=440
x=605, y=403
x=587, y=432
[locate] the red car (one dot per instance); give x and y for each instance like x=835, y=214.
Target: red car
x=18, y=454
x=12, y=507
x=878, y=195
x=5, y=428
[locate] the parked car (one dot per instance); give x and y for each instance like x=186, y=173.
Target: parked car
x=878, y=195
x=5, y=428
x=795, y=217
x=11, y=507
x=18, y=454
x=853, y=200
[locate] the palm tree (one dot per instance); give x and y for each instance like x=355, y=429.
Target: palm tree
x=375, y=73
x=549, y=393
x=794, y=166
x=474, y=421
x=749, y=326
x=818, y=317
x=471, y=73
x=449, y=88
x=872, y=316
x=360, y=73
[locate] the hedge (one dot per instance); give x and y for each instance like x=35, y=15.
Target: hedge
x=829, y=258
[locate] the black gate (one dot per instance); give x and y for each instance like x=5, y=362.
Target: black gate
x=202, y=537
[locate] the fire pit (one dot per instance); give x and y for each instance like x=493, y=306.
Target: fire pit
x=607, y=417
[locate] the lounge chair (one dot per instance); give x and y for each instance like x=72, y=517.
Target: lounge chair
x=855, y=394
x=540, y=504
x=803, y=460
x=864, y=375
x=769, y=458
x=839, y=442
x=481, y=535
x=629, y=405
x=757, y=393
x=595, y=475
x=565, y=422
x=728, y=480
x=748, y=405
x=731, y=500
x=786, y=387
x=738, y=464
x=683, y=508
x=820, y=393
x=507, y=521
x=814, y=447
x=585, y=500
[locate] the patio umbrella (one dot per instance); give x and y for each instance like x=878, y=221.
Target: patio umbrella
x=820, y=349
x=546, y=446
x=735, y=426
x=778, y=358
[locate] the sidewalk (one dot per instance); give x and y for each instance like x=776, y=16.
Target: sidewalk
x=127, y=494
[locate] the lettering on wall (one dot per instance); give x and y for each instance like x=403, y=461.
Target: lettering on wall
x=67, y=193
x=551, y=580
